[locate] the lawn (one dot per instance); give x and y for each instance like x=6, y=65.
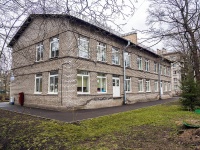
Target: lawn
x=156, y=127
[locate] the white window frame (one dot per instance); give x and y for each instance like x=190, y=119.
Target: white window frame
x=175, y=80
x=147, y=65
x=40, y=50
x=115, y=56
x=101, y=52
x=127, y=58
x=83, y=74
x=54, y=40
x=156, y=86
x=128, y=79
x=49, y=86
x=165, y=70
x=165, y=86
x=139, y=63
x=140, y=81
x=83, y=47
x=155, y=67
x=101, y=76
x=38, y=77
x=169, y=85
x=148, y=86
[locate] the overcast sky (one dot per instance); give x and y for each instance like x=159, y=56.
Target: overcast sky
x=137, y=21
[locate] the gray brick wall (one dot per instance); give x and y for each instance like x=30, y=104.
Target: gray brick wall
x=25, y=67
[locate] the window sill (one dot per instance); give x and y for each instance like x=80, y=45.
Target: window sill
x=86, y=58
x=37, y=93
x=102, y=92
x=39, y=61
x=83, y=93
x=116, y=64
x=52, y=58
x=52, y=93
x=148, y=91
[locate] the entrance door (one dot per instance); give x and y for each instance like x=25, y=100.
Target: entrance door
x=116, y=87
x=161, y=88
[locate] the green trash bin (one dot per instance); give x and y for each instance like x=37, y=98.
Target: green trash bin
x=197, y=111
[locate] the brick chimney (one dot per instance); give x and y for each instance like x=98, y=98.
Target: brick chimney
x=132, y=36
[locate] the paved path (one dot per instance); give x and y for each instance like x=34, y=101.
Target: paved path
x=71, y=116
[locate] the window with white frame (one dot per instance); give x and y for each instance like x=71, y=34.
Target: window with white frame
x=38, y=83
x=139, y=63
x=175, y=72
x=168, y=71
x=156, y=86
x=39, y=51
x=101, y=83
x=174, y=65
x=127, y=59
x=175, y=87
x=53, y=82
x=161, y=70
x=101, y=51
x=54, y=47
x=175, y=79
x=165, y=86
x=148, y=86
x=83, y=47
x=169, y=86
x=146, y=65
x=164, y=70
x=128, y=84
x=83, y=86
x=140, y=85
x=115, y=56
x=155, y=67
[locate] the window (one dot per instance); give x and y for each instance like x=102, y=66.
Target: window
x=174, y=65
x=175, y=87
x=168, y=71
x=148, y=86
x=53, y=82
x=161, y=71
x=169, y=86
x=175, y=79
x=101, y=83
x=140, y=85
x=155, y=67
x=174, y=72
x=146, y=65
x=165, y=86
x=156, y=86
x=139, y=63
x=38, y=83
x=128, y=84
x=54, y=47
x=101, y=51
x=115, y=56
x=83, y=82
x=164, y=70
x=127, y=59
x=39, y=52
x=83, y=47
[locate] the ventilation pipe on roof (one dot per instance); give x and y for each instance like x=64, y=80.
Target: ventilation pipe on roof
x=124, y=72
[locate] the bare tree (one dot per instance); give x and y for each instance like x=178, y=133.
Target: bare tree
x=178, y=23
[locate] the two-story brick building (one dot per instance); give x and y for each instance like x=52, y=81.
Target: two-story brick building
x=60, y=61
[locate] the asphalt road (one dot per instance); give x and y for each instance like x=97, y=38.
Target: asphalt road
x=78, y=115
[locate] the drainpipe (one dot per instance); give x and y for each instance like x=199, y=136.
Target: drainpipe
x=159, y=80
x=124, y=72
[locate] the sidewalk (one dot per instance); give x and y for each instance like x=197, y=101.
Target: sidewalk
x=71, y=116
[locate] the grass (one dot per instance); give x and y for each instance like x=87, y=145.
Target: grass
x=116, y=131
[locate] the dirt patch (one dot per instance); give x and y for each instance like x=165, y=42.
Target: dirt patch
x=190, y=137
